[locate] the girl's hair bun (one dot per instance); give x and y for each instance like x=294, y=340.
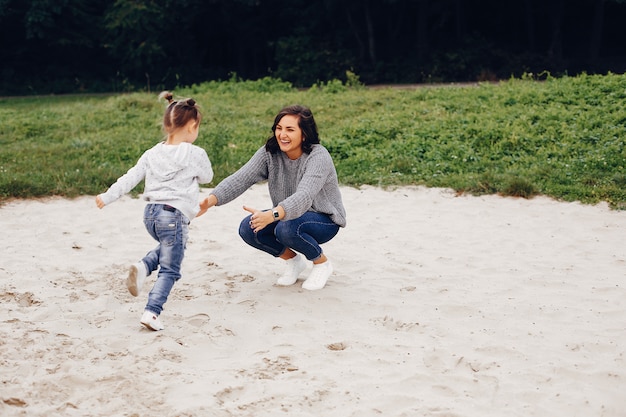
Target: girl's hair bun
x=167, y=96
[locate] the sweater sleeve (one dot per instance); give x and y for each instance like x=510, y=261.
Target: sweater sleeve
x=126, y=182
x=202, y=162
x=255, y=170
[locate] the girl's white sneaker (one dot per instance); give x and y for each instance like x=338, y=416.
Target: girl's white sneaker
x=136, y=278
x=151, y=321
x=318, y=277
x=295, y=266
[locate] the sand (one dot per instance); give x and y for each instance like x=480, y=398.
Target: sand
x=440, y=305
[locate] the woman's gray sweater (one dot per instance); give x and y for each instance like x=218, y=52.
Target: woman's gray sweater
x=308, y=183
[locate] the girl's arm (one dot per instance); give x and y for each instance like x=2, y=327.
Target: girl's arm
x=125, y=183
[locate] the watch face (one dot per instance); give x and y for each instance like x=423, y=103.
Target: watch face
x=275, y=214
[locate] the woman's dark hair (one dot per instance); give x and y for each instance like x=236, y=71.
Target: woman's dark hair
x=179, y=113
x=306, y=122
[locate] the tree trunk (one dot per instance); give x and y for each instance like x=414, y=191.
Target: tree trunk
x=371, y=38
x=355, y=32
x=595, y=43
x=530, y=25
x=555, y=51
x=459, y=20
x=422, y=30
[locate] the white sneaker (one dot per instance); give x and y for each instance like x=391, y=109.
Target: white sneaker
x=136, y=278
x=295, y=266
x=151, y=321
x=318, y=277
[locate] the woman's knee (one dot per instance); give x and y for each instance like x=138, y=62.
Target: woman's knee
x=284, y=233
x=245, y=231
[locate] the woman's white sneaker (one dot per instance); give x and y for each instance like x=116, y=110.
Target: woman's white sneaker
x=318, y=277
x=295, y=266
x=136, y=278
x=151, y=321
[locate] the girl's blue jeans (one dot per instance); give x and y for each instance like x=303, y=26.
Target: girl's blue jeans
x=304, y=235
x=170, y=228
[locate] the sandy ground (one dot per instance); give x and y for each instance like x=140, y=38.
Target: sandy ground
x=440, y=305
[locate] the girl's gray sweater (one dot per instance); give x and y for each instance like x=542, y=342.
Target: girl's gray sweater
x=308, y=183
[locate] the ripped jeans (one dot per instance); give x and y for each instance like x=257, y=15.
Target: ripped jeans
x=170, y=228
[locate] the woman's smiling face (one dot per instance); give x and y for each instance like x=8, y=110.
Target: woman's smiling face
x=289, y=136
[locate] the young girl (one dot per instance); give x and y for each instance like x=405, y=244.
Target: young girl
x=172, y=171
x=307, y=208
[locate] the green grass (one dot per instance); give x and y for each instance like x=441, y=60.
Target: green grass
x=563, y=137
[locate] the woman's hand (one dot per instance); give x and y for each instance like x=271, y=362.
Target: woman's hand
x=259, y=219
x=99, y=202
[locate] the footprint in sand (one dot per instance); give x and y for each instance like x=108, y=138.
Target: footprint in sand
x=270, y=368
x=199, y=320
x=396, y=325
x=26, y=299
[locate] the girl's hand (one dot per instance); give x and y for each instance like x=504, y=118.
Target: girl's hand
x=204, y=206
x=259, y=219
x=99, y=202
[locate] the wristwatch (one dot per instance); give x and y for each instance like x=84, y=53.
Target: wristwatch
x=275, y=213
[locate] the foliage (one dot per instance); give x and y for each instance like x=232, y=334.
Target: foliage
x=561, y=137
x=69, y=46
x=299, y=62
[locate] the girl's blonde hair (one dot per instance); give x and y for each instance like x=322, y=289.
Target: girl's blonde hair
x=179, y=112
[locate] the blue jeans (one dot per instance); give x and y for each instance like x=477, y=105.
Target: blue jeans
x=304, y=235
x=170, y=228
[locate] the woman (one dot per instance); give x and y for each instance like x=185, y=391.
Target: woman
x=307, y=209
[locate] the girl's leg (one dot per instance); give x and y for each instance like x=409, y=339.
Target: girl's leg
x=171, y=230
x=139, y=271
x=150, y=216
x=151, y=260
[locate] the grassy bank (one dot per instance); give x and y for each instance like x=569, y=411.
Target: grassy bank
x=563, y=137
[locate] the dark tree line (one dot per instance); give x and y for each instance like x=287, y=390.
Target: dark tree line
x=113, y=45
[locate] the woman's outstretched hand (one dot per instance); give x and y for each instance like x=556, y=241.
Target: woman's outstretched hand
x=259, y=219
